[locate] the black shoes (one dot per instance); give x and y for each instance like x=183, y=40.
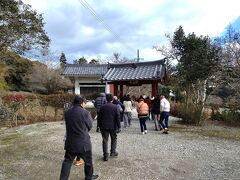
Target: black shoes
x=114, y=154
x=105, y=158
x=94, y=176
x=165, y=132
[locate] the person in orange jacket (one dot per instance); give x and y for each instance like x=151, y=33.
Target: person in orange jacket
x=142, y=109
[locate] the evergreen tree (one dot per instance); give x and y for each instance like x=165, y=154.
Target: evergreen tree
x=94, y=61
x=15, y=71
x=63, y=60
x=21, y=28
x=81, y=60
x=3, y=75
x=197, y=62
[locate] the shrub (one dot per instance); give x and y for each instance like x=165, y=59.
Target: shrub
x=92, y=111
x=18, y=108
x=217, y=116
x=215, y=113
x=173, y=108
x=43, y=103
x=231, y=117
x=14, y=102
x=190, y=115
x=5, y=113
x=56, y=101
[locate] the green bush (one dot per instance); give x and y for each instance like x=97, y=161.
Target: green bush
x=216, y=116
x=231, y=117
x=190, y=115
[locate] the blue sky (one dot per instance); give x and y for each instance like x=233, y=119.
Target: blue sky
x=124, y=26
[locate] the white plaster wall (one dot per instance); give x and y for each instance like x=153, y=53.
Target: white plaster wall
x=88, y=80
x=77, y=87
x=107, y=88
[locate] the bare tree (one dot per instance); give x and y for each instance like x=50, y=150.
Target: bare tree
x=229, y=73
x=47, y=79
x=116, y=58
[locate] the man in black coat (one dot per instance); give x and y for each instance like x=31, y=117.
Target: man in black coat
x=109, y=124
x=78, y=124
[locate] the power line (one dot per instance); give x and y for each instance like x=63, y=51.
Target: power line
x=101, y=20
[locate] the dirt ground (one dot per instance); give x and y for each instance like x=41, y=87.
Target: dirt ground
x=210, y=152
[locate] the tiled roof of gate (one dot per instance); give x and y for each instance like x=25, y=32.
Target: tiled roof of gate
x=119, y=72
x=136, y=71
x=85, y=70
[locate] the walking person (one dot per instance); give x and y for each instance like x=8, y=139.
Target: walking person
x=142, y=109
x=109, y=124
x=78, y=123
x=100, y=100
x=120, y=107
x=164, y=109
x=78, y=160
x=156, y=112
x=127, y=116
x=149, y=103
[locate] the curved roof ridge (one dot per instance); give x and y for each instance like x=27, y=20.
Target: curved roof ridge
x=86, y=65
x=118, y=72
x=135, y=64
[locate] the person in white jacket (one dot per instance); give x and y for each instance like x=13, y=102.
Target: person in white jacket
x=164, y=109
x=127, y=116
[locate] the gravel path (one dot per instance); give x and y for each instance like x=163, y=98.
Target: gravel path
x=36, y=152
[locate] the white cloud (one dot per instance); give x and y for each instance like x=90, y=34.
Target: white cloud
x=150, y=52
x=213, y=16
x=139, y=24
x=87, y=31
x=39, y=5
x=141, y=7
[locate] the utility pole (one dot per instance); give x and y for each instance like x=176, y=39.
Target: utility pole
x=138, y=57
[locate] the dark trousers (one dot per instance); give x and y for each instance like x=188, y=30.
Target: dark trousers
x=156, y=119
x=68, y=160
x=164, y=119
x=143, y=123
x=105, y=135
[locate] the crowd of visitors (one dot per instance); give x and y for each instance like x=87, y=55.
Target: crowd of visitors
x=113, y=115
